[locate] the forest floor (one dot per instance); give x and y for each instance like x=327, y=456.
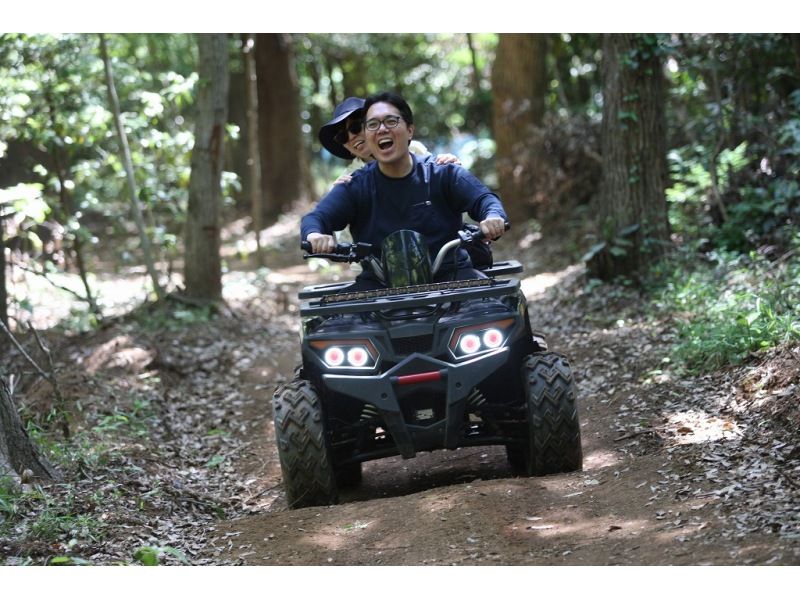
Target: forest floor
x=174, y=454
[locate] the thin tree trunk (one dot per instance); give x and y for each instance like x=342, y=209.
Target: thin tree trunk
x=716, y=93
x=203, y=267
x=253, y=153
x=17, y=451
x=126, y=160
x=794, y=38
x=3, y=292
x=476, y=77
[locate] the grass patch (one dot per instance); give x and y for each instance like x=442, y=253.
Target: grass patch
x=53, y=524
x=728, y=306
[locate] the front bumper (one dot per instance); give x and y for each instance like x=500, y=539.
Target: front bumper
x=454, y=380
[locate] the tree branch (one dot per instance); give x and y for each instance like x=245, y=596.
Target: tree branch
x=48, y=376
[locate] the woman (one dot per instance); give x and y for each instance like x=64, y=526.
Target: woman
x=398, y=190
x=343, y=136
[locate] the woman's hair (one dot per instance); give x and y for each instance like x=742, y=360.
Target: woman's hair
x=395, y=100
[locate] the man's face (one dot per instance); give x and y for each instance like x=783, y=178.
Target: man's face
x=386, y=143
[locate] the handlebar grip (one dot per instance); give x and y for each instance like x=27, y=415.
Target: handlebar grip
x=305, y=245
x=478, y=235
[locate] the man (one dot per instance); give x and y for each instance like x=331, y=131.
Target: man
x=399, y=191
x=343, y=136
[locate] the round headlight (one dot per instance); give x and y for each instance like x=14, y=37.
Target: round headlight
x=469, y=343
x=357, y=357
x=334, y=357
x=492, y=338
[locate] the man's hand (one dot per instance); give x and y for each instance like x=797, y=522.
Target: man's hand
x=447, y=159
x=321, y=243
x=493, y=228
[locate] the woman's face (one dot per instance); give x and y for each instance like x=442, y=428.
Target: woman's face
x=356, y=143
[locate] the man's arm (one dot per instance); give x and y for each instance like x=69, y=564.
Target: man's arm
x=475, y=198
x=333, y=212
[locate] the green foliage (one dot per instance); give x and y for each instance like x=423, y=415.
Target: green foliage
x=728, y=308
x=574, y=63
x=617, y=245
x=150, y=556
x=83, y=448
x=56, y=521
x=136, y=420
x=54, y=111
x=725, y=88
x=8, y=499
x=67, y=560
x=432, y=71
x=173, y=316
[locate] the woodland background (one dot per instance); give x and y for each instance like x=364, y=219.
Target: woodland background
x=667, y=164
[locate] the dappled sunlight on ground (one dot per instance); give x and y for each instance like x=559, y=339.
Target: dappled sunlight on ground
x=119, y=352
x=601, y=458
x=534, y=286
x=695, y=427
x=338, y=538
x=44, y=305
x=577, y=525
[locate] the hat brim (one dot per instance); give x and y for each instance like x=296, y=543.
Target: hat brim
x=328, y=131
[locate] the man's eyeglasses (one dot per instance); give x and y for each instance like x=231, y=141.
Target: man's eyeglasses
x=352, y=126
x=373, y=124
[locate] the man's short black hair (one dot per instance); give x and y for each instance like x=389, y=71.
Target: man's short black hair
x=395, y=100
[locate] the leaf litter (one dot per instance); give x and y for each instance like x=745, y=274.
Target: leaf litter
x=198, y=457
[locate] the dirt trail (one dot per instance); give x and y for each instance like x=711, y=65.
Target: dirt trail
x=673, y=473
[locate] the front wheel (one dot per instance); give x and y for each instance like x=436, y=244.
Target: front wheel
x=554, y=434
x=306, y=459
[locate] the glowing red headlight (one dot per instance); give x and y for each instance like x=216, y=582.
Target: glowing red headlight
x=357, y=357
x=469, y=343
x=492, y=338
x=334, y=357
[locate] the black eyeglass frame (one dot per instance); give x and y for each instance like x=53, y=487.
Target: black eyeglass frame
x=396, y=118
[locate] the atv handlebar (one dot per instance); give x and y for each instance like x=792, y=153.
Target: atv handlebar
x=355, y=252
x=343, y=252
x=465, y=237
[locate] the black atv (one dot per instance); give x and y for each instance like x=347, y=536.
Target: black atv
x=418, y=367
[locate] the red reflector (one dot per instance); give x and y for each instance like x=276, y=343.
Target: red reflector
x=417, y=378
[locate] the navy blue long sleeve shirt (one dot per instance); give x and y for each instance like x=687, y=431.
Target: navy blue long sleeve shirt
x=430, y=200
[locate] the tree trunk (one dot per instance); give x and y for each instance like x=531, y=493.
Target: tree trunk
x=17, y=452
x=631, y=205
x=283, y=162
x=253, y=151
x=519, y=85
x=3, y=292
x=794, y=38
x=203, y=268
x=136, y=207
x=476, y=75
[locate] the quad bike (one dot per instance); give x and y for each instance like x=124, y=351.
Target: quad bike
x=419, y=366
